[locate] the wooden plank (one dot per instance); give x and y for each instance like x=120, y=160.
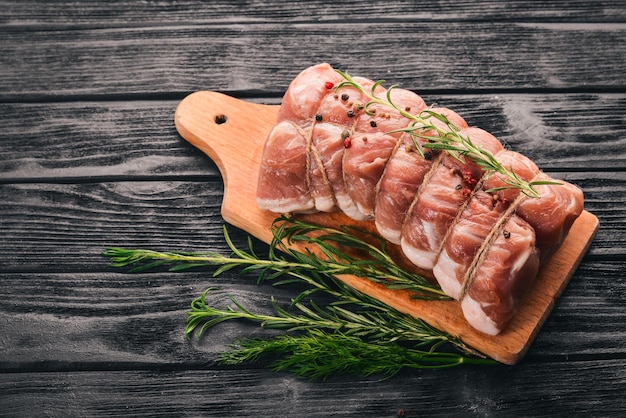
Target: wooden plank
x=64, y=227
x=110, y=319
x=226, y=57
x=232, y=132
x=81, y=140
x=138, y=139
x=129, y=13
x=581, y=389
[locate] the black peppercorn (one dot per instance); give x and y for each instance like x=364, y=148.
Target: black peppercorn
x=318, y=117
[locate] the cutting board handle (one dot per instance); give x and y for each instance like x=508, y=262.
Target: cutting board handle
x=232, y=133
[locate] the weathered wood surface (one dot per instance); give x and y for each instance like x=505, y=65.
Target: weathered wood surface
x=89, y=158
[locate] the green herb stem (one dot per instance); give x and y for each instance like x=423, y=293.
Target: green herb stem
x=333, y=245
x=353, y=333
x=447, y=137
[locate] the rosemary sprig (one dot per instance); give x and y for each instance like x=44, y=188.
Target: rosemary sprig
x=353, y=333
x=373, y=319
x=447, y=138
x=327, y=253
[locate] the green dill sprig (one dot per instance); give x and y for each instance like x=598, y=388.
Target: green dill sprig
x=446, y=138
x=318, y=354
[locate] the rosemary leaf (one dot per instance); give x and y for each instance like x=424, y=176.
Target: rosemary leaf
x=446, y=138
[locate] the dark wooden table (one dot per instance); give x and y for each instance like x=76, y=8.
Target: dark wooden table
x=90, y=158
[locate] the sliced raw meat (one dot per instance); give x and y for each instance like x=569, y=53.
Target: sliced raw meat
x=464, y=241
x=552, y=214
x=302, y=99
x=363, y=163
x=283, y=177
x=341, y=106
x=370, y=146
x=402, y=178
x=328, y=153
x=521, y=165
x=440, y=200
x=502, y=277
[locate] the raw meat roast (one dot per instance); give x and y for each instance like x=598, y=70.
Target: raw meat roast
x=484, y=247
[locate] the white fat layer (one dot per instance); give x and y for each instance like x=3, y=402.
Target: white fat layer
x=474, y=314
x=521, y=260
x=445, y=274
x=286, y=205
x=391, y=235
x=417, y=256
x=347, y=206
x=324, y=204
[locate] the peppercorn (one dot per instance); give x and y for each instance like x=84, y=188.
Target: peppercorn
x=329, y=85
x=506, y=234
x=347, y=143
x=350, y=113
x=318, y=117
x=345, y=134
x=373, y=123
x=428, y=155
x=345, y=97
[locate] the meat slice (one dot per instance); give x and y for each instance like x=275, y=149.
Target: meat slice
x=440, y=200
x=302, y=99
x=465, y=240
x=370, y=146
x=338, y=107
x=552, y=214
x=328, y=142
x=385, y=119
x=363, y=163
x=320, y=150
x=283, y=182
x=403, y=175
x=501, y=278
x=521, y=165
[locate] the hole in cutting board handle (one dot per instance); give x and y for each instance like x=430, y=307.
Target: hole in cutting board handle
x=221, y=119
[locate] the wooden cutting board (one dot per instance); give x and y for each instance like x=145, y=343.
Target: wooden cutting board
x=232, y=133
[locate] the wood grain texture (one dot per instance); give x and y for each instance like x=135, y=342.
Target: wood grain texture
x=126, y=13
x=90, y=157
x=137, y=139
x=156, y=60
x=220, y=392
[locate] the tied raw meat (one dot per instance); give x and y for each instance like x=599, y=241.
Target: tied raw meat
x=483, y=246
